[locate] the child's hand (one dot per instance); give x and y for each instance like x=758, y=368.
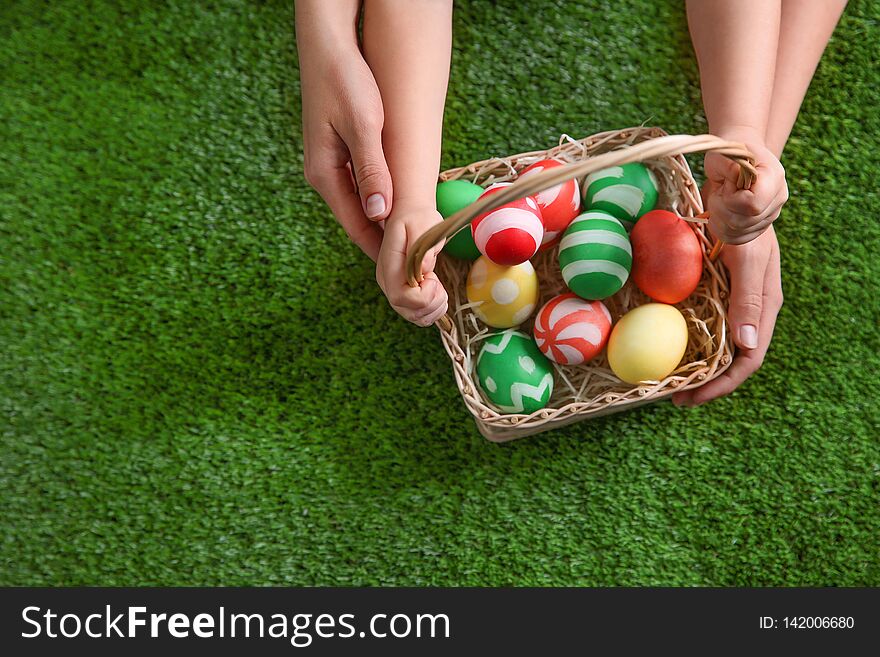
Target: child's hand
x=422, y=305
x=737, y=216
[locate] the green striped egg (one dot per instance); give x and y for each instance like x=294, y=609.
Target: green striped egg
x=626, y=192
x=595, y=255
x=513, y=373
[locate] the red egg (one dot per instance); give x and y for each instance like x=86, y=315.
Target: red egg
x=667, y=259
x=559, y=204
x=511, y=234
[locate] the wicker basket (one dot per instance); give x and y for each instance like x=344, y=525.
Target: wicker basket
x=590, y=390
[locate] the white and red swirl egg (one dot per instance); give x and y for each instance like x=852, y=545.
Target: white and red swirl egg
x=570, y=331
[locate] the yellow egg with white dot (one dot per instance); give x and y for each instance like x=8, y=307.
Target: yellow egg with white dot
x=503, y=296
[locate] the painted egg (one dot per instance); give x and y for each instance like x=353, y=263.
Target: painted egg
x=571, y=331
x=506, y=296
x=452, y=196
x=667, y=259
x=510, y=234
x=647, y=343
x=513, y=374
x=595, y=255
x=559, y=205
x=627, y=192
x=548, y=245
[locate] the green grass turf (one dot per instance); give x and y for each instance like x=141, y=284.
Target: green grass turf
x=201, y=383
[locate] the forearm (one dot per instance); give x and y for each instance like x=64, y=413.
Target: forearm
x=320, y=22
x=408, y=47
x=736, y=44
x=324, y=30
x=805, y=30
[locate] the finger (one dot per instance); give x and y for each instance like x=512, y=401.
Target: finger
x=721, y=170
x=760, y=198
x=739, y=222
x=429, y=262
x=334, y=186
x=370, y=169
x=744, y=365
x=683, y=398
x=437, y=314
x=773, y=287
x=432, y=305
x=427, y=315
x=747, y=362
x=416, y=298
x=747, y=302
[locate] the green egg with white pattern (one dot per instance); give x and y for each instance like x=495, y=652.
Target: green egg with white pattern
x=595, y=255
x=513, y=373
x=626, y=192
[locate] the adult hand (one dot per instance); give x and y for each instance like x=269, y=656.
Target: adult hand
x=426, y=303
x=737, y=216
x=342, y=130
x=755, y=300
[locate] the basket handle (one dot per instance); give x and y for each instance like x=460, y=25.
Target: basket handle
x=647, y=150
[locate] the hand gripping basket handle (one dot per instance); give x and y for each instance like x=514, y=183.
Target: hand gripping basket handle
x=647, y=150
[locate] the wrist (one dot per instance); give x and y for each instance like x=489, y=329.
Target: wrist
x=407, y=209
x=748, y=134
x=414, y=220
x=326, y=31
x=317, y=54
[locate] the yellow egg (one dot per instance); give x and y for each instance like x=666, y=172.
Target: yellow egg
x=647, y=343
x=506, y=296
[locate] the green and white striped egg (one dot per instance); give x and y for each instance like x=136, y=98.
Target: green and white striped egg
x=626, y=192
x=513, y=373
x=595, y=255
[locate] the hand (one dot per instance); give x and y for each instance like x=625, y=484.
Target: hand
x=426, y=303
x=737, y=216
x=342, y=130
x=755, y=300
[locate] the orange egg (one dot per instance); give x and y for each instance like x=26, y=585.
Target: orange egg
x=667, y=258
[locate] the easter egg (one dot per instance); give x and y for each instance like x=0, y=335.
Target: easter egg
x=595, y=255
x=452, y=196
x=626, y=192
x=571, y=331
x=559, y=204
x=546, y=245
x=510, y=234
x=513, y=374
x=506, y=296
x=647, y=343
x=667, y=259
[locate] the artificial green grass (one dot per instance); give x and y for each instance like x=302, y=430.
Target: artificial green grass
x=201, y=383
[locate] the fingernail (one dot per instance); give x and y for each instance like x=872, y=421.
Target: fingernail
x=748, y=336
x=375, y=205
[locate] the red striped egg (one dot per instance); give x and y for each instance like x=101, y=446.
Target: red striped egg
x=559, y=204
x=511, y=234
x=570, y=331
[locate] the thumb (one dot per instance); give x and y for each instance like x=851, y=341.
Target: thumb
x=371, y=175
x=746, y=303
x=430, y=261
